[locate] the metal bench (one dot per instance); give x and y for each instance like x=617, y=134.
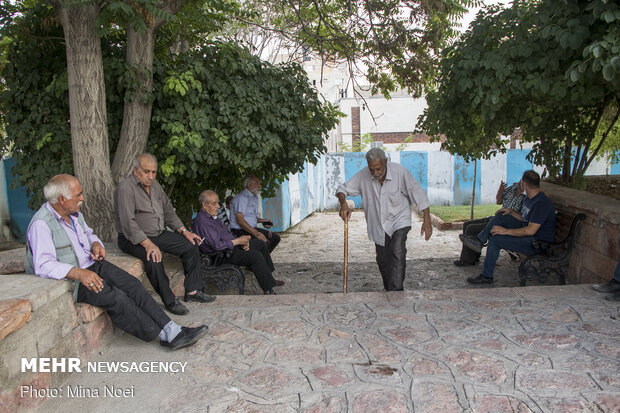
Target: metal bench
x=221, y=279
x=554, y=259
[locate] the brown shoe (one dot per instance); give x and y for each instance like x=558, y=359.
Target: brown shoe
x=279, y=283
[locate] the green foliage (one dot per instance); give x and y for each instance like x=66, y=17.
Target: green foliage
x=222, y=114
x=218, y=112
x=532, y=66
x=34, y=103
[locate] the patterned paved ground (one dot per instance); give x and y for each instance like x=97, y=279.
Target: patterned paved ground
x=538, y=349
x=442, y=349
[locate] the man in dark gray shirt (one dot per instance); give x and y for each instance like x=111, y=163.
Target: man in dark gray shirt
x=142, y=212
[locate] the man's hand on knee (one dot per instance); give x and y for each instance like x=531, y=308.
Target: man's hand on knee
x=87, y=278
x=153, y=253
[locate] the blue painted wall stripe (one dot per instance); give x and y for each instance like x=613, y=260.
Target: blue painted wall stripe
x=353, y=163
x=417, y=164
x=464, y=181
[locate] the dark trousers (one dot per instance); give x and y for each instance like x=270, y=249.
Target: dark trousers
x=273, y=239
x=127, y=302
x=258, y=259
x=391, y=259
x=473, y=227
x=175, y=244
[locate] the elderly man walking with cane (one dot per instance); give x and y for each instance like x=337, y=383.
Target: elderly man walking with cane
x=388, y=191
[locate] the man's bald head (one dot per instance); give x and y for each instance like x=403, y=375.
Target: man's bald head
x=209, y=202
x=207, y=196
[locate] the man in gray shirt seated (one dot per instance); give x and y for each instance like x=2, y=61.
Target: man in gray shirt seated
x=388, y=191
x=141, y=213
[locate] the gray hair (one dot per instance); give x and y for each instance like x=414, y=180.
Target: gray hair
x=247, y=180
x=138, y=159
x=205, y=195
x=375, y=153
x=58, y=185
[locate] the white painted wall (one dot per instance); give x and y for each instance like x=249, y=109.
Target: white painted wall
x=440, y=178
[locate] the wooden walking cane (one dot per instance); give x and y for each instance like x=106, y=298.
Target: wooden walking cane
x=346, y=253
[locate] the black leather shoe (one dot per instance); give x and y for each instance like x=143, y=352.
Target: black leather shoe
x=613, y=297
x=177, y=308
x=612, y=286
x=199, y=297
x=187, y=337
x=269, y=292
x=480, y=279
x=460, y=263
x=471, y=242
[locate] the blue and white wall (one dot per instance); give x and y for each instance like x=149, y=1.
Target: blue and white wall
x=447, y=180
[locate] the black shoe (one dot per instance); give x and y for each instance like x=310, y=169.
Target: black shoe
x=460, y=263
x=480, y=279
x=177, y=308
x=613, y=297
x=612, y=286
x=187, y=337
x=269, y=292
x=199, y=297
x=471, y=242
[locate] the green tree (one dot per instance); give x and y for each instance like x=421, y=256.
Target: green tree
x=223, y=113
x=219, y=112
x=532, y=66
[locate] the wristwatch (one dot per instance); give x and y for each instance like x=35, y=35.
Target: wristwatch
x=183, y=230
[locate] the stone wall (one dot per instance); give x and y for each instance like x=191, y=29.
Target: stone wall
x=38, y=318
x=597, y=249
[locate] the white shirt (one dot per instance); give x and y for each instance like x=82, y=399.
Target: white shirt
x=387, y=207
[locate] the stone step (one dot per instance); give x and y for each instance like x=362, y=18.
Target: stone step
x=13, y=315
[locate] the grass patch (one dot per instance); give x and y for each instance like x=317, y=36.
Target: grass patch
x=461, y=212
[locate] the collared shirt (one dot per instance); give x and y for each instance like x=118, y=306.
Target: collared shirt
x=217, y=236
x=513, y=199
x=246, y=203
x=138, y=215
x=387, y=207
x=44, y=253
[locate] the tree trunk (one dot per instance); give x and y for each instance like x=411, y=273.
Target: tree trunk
x=87, y=111
x=137, y=111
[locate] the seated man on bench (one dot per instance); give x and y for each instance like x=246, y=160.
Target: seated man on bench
x=243, y=250
x=508, y=197
x=512, y=231
x=60, y=245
